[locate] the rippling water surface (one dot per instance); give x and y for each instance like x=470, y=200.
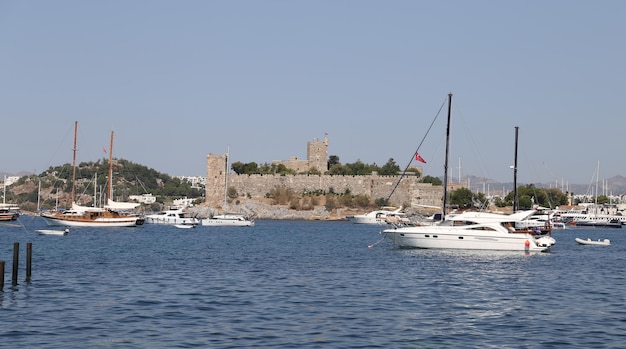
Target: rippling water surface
x=293, y=284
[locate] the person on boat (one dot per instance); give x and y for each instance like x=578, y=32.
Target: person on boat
x=536, y=230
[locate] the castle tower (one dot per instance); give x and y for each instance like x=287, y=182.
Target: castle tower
x=317, y=154
x=216, y=179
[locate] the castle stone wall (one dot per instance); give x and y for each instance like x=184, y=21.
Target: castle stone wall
x=409, y=190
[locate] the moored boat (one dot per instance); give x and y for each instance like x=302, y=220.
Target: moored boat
x=172, y=216
x=473, y=230
x=9, y=212
x=229, y=220
x=114, y=214
x=382, y=216
x=604, y=242
x=185, y=225
x=53, y=231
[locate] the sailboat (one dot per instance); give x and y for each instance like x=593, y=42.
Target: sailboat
x=228, y=219
x=470, y=230
x=113, y=214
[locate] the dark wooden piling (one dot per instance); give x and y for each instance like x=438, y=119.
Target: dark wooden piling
x=1, y=276
x=16, y=257
x=29, y=260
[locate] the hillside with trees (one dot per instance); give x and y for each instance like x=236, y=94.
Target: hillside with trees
x=54, y=185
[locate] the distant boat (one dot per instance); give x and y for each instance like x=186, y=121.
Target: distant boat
x=172, y=216
x=9, y=212
x=382, y=216
x=595, y=223
x=229, y=220
x=114, y=214
x=53, y=232
x=605, y=242
x=185, y=225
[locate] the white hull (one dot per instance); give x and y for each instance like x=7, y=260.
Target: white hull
x=185, y=226
x=443, y=237
x=53, y=232
x=380, y=217
x=171, y=220
x=588, y=217
x=364, y=219
x=171, y=217
x=100, y=222
x=605, y=242
x=473, y=231
x=215, y=222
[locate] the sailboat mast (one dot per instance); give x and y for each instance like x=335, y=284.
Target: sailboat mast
x=226, y=177
x=110, y=168
x=515, y=173
x=445, y=166
x=74, y=163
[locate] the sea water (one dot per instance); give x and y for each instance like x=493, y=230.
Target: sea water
x=304, y=284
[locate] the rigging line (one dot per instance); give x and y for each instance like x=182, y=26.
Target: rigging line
x=416, y=150
x=377, y=242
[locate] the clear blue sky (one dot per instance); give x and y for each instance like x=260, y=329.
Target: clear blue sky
x=177, y=80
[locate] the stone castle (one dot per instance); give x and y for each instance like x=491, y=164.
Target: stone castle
x=410, y=191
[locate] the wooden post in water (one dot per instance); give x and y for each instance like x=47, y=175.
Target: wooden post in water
x=16, y=257
x=29, y=260
x=1, y=276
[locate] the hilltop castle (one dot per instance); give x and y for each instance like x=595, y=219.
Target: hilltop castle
x=410, y=191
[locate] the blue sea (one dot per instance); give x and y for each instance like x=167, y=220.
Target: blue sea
x=305, y=284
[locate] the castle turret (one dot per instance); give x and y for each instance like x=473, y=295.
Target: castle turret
x=216, y=179
x=317, y=154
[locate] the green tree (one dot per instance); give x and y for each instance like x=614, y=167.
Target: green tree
x=389, y=169
x=359, y=168
x=602, y=199
x=238, y=167
x=333, y=160
x=462, y=197
x=432, y=180
x=339, y=170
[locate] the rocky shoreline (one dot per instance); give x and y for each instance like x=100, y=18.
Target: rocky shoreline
x=273, y=212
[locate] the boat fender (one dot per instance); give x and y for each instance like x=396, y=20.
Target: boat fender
x=527, y=243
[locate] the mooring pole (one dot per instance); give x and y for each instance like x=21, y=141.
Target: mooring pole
x=1, y=276
x=29, y=260
x=16, y=258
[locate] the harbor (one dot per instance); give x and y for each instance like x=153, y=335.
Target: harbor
x=305, y=284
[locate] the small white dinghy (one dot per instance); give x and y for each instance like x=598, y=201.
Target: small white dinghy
x=605, y=242
x=53, y=232
x=185, y=225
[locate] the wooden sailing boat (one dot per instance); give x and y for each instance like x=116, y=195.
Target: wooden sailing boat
x=114, y=214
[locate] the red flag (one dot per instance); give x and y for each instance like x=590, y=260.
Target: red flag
x=419, y=158
x=104, y=149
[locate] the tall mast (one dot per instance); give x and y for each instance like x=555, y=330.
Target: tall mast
x=110, y=168
x=74, y=162
x=515, y=173
x=226, y=176
x=445, y=166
